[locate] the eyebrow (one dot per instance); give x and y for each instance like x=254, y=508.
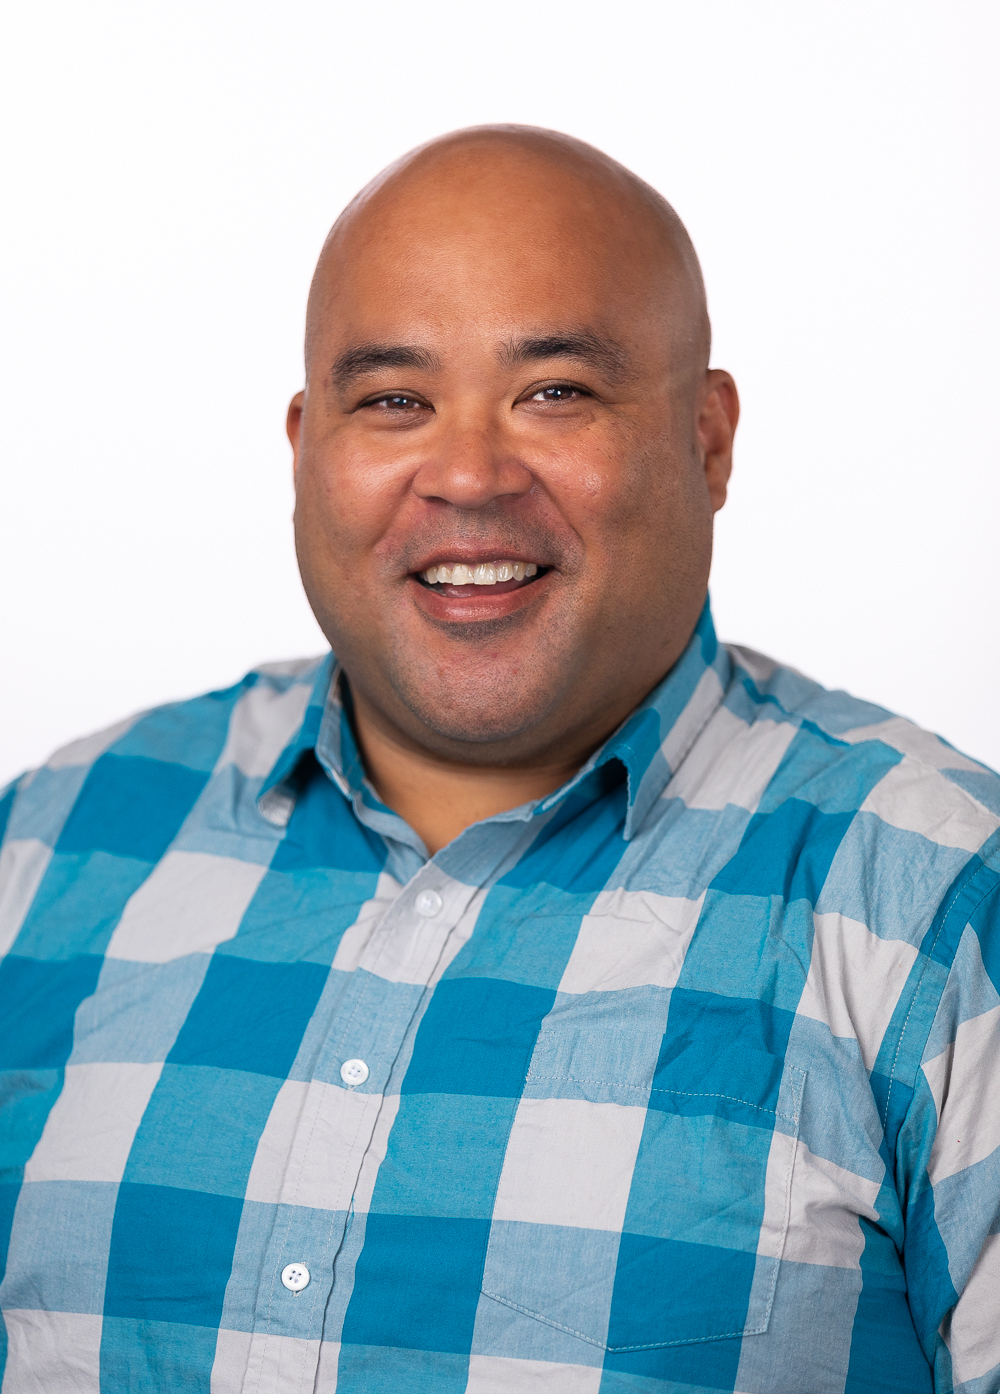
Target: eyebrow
x=598, y=350
x=369, y=358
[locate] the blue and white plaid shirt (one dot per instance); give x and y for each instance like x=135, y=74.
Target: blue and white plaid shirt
x=683, y=1078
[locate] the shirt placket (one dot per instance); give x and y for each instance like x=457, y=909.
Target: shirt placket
x=333, y=1134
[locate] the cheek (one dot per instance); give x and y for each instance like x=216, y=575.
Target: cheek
x=616, y=491
x=342, y=505
x=592, y=487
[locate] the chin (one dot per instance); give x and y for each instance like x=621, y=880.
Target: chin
x=477, y=724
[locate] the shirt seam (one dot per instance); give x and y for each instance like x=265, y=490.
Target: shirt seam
x=656, y=1089
x=616, y=1350
x=961, y=890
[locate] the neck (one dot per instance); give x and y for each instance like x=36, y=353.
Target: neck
x=438, y=797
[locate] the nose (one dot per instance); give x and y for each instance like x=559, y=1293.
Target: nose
x=471, y=466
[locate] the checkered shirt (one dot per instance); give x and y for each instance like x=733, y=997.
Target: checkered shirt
x=680, y=1079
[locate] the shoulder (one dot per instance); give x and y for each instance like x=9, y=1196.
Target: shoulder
x=865, y=759
x=161, y=757
x=857, y=814
x=883, y=842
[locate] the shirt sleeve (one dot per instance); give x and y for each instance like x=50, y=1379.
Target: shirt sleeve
x=948, y=1164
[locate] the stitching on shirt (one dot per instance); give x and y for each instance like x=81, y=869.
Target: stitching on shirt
x=615, y=1350
x=916, y=991
x=655, y=1089
x=304, y=1161
x=792, y=1152
x=791, y=1142
x=679, y=755
x=380, y=953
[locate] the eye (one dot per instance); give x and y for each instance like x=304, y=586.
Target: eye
x=395, y=402
x=558, y=392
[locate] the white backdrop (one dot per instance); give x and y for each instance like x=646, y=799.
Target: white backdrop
x=174, y=168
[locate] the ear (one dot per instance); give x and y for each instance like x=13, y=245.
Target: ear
x=718, y=414
x=293, y=425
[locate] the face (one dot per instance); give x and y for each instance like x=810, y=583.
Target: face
x=505, y=474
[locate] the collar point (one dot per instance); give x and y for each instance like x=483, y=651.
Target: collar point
x=276, y=806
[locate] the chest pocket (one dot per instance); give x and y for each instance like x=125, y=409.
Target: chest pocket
x=645, y=1192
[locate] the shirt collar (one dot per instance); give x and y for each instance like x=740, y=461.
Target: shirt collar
x=650, y=744
x=277, y=787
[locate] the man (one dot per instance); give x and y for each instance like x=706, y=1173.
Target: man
x=537, y=996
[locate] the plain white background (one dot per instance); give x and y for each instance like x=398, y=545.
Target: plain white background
x=171, y=170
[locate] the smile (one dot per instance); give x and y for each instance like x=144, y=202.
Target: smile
x=491, y=573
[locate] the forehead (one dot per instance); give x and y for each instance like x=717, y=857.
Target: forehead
x=474, y=256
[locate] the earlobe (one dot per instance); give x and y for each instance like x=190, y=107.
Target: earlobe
x=717, y=475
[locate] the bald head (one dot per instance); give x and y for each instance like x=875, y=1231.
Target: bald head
x=525, y=193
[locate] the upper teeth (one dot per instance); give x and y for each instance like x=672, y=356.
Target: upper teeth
x=487, y=574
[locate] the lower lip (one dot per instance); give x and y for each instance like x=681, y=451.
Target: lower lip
x=460, y=604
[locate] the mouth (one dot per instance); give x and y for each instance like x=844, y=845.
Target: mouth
x=469, y=598
x=479, y=580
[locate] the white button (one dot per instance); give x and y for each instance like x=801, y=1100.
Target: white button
x=353, y=1072
x=295, y=1277
x=428, y=904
